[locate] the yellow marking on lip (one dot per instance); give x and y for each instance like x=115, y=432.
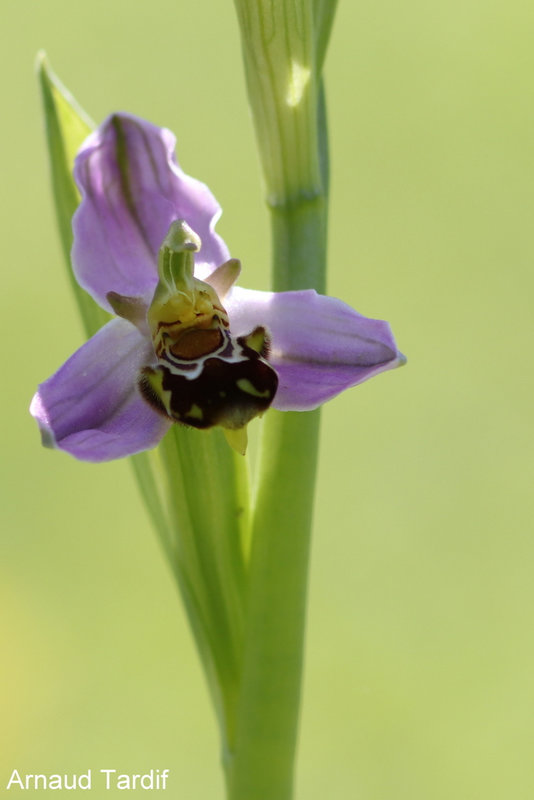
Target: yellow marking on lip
x=195, y=412
x=246, y=386
x=152, y=380
x=257, y=340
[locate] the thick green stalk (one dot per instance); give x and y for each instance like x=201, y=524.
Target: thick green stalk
x=284, y=45
x=298, y=236
x=263, y=763
x=267, y=723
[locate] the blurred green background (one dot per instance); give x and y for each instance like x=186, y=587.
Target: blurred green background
x=420, y=649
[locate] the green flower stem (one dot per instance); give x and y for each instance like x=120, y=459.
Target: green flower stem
x=284, y=46
x=263, y=763
x=267, y=723
x=298, y=236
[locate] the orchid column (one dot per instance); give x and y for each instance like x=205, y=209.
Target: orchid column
x=283, y=46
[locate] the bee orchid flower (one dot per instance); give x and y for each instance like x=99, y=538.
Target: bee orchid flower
x=186, y=344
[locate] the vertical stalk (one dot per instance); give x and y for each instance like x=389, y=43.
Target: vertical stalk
x=267, y=719
x=263, y=763
x=268, y=711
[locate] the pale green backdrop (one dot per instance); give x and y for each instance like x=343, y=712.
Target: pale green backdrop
x=420, y=657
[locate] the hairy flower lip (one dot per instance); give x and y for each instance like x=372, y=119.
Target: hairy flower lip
x=132, y=189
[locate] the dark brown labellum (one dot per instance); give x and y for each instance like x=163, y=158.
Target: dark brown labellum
x=227, y=389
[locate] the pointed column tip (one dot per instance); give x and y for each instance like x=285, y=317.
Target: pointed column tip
x=181, y=238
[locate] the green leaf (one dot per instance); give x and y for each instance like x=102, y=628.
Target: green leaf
x=194, y=486
x=67, y=125
x=209, y=505
x=324, y=12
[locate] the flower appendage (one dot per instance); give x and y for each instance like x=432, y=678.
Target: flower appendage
x=188, y=345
